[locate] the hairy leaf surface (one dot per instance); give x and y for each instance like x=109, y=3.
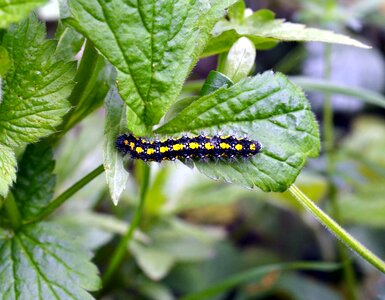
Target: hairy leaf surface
x=35, y=183
x=153, y=44
x=268, y=108
x=41, y=262
x=35, y=88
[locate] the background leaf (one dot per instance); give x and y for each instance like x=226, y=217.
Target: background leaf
x=35, y=88
x=265, y=31
x=8, y=169
x=41, y=262
x=35, y=183
x=153, y=44
x=15, y=10
x=267, y=108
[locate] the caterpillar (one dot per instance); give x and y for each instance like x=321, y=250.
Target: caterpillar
x=197, y=148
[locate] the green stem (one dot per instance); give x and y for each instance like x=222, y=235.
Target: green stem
x=67, y=194
x=12, y=211
x=337, y=230
x=121, y=249
x=328, y=130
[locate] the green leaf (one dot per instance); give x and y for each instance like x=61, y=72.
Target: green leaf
x=174, y=241
x=240, y=59
x=237, y=11
x=154, y=262
x=94, y=78
x=7, y=169
x=15, y=10
x=268, y=108
x=265, y=32
x=41, y=262
x=35, y=183
x=366, y=206
x=69, y=42
x=257, y=274
x=329, y=87
x=153, y=44
x=35, y=88
x=5, y=64
x=115, y=124
x=214, y=81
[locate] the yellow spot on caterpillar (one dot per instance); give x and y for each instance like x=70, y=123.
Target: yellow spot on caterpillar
x=150, y=151
x=238, y=147
x=223, y=137
x=193, y=145
x=143, y=141
x=139, y=150
x=125, y=142
x=163, y=149
x=177, y=147
x=252, y=147
x=209, y=146
x=132, y=145
x=224, y=146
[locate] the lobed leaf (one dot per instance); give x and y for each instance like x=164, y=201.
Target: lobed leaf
x=41, y=262
x=268, y=108
x=35, y=88
x=153, y=44
x=35, y=183
x=12, y=11
x=265, y=31
x=7, y=169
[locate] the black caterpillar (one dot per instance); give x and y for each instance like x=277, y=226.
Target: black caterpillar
x=198, y=147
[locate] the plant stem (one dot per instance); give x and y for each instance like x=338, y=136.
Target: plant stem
x=328, y=130
x=12, y=211
x=67, y=194
x=121, y=249
x=336, y=229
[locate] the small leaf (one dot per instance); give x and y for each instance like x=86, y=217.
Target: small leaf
x=35, y=183
x=153, y=44
x=155, y=263
x=69, y=43
x=214, y=81
x=265, y=32
x=12, y=11
x=41, y=262
x=35, y=88
x=366, y=206
x=267, y=108
x=240, y=59
x=7, y=169
x=237, y=11
x=5, y=64
x=115, y=124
